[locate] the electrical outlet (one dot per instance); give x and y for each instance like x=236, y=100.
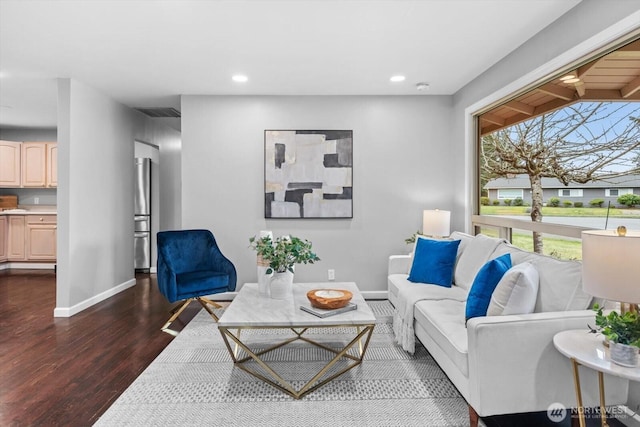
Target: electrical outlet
x=332, y=274
x=36, y=200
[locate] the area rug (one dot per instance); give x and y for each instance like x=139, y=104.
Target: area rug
x=193, y=382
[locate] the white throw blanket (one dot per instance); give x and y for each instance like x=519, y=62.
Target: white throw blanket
x=403, y=314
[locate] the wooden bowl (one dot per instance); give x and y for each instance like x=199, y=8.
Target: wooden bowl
x=329, y=298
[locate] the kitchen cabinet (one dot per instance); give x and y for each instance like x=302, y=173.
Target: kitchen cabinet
x=40, y=237
x=28, y=164
x=52, y=164
x=34, y=164
x=15, y=238
x=10, y=154
x=3, y=238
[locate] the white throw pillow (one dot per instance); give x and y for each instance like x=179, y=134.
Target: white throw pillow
x=517, y=291
x=476, y=253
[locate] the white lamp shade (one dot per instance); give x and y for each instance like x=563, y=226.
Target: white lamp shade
x=611, y=265
x=436, y=223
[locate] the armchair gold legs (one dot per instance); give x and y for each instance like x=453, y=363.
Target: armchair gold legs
x=206, y=303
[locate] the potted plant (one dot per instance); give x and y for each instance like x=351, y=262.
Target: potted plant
x=623, y=333
x=281, y=255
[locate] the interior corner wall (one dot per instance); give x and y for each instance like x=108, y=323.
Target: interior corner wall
x=402, y=164
x=571, y=36
x=95, y=194
x=95, y=201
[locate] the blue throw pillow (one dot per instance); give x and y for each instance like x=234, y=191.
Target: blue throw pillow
x=433, y=261
x=484, y=284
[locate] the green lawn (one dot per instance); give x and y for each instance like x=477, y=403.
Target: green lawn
x=550, y=211
x=554, y=246
x=558, y=247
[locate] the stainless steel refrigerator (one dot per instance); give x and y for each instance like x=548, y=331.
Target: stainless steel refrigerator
x=142, y=216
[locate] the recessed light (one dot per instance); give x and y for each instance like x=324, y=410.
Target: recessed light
x=568, y=77
x=397, y=78
x=573, y=80
x=239, y=78
x=422, y=86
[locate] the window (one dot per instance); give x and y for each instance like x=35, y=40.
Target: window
x=570, y=192
x=615, y=192
x=510, y=193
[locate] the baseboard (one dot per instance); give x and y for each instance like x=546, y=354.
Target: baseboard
x=70, y=311
x=27, y=266
x=153, y=270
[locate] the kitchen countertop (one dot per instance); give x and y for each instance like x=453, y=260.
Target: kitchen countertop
x=30, y=210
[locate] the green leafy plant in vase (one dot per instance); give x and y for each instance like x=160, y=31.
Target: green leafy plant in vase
x=623, y=333
x=281, y=255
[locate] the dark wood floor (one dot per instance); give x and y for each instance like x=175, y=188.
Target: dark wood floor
x=68, y=371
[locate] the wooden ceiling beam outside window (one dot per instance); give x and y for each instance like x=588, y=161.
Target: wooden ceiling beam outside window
x=612, y=77
x=520, y=107
x=558, y=91
x=631, y=88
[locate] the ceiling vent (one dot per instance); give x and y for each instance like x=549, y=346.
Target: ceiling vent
x=160, y=112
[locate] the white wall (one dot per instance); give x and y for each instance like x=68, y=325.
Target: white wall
x=95, y=193
x=29, y=134
x=402, y=165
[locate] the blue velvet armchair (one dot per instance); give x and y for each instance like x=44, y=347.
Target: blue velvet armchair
x=191, y=266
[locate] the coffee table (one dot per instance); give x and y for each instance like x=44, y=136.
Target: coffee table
x=250, y=310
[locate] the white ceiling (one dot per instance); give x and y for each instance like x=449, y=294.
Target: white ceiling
x=146, y=53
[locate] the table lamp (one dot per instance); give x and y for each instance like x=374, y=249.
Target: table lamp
x=436, y=223
x=611, y=265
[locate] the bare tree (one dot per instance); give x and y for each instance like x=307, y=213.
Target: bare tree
x=584, y=142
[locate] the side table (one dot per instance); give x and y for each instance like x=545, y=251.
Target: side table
x=584, y=348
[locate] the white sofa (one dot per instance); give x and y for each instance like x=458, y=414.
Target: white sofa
x=505, y=364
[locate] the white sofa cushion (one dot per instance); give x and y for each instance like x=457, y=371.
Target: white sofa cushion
x=477, y=251
x=517, y=291
x=560, y=286
x=396, y=282
x=444, y=322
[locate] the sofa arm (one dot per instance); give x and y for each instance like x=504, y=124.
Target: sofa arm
x=399, y=264
x=514, y=366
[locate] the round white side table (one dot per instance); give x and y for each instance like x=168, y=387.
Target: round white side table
x=584, y=348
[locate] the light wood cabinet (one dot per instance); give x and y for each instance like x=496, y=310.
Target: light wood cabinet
x=15, y=238
x=34, y=164
x=28, y=164
x=40, y=237
x=28, y=237
x=52, y=164
x=3, y=238
x=10, y=154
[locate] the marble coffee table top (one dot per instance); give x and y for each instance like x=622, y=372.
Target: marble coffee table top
x=249, y=309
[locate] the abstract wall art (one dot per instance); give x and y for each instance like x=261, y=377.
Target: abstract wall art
x=308, y=174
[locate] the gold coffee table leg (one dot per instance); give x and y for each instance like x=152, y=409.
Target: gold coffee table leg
x=363, y=334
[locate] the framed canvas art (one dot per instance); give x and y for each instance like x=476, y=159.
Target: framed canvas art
x=308, y=174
